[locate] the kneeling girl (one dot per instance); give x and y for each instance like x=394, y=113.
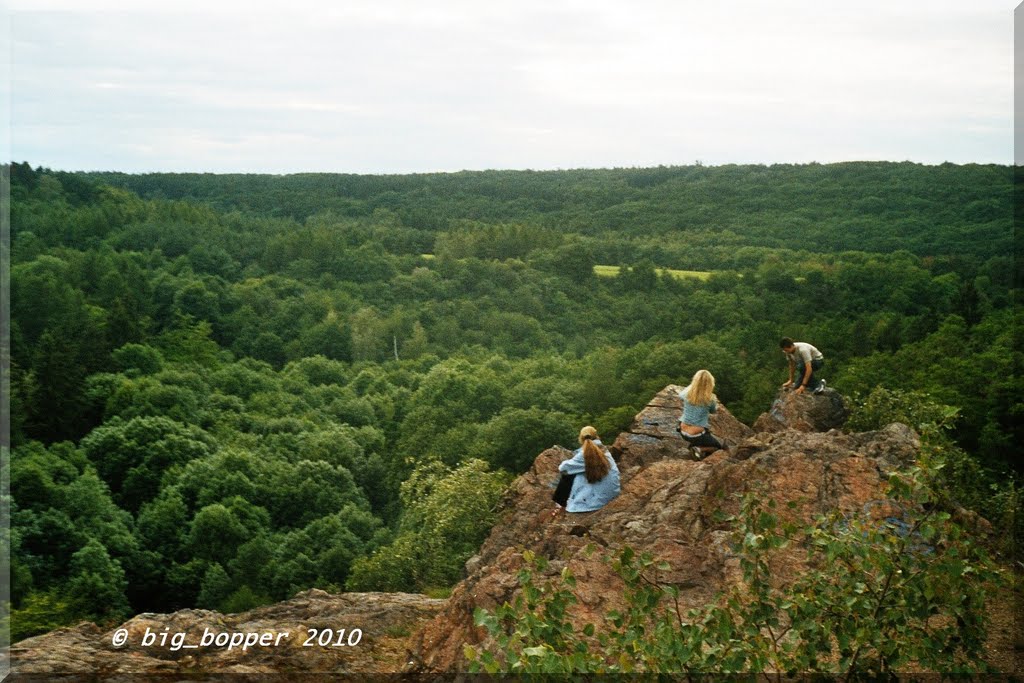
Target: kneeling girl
x=699, y=402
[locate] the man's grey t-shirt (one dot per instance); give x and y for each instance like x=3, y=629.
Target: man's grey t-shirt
x=804, y=353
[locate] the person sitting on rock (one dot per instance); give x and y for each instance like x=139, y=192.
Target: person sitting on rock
x=699, y=402
x=804, y=360
x=590, y=478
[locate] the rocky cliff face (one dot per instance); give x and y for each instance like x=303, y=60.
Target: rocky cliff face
x=668, y=507
x=354, y=633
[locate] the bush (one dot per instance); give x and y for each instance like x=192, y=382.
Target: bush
x=964, y=482
x=447, y=514
x=243, y=600
x=885, y=406
x=961, y=477
x=40, y=613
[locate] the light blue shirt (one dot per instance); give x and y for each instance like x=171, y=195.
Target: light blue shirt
x=696, y=415
x=586, y=496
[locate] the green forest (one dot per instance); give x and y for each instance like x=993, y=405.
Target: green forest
x=229, y=388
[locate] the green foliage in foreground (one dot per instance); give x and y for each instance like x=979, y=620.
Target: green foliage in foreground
x=447, y=515
x=884, y=406
x=879, y=596
x=960, y=478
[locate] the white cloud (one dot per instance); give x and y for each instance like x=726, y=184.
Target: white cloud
x=412, y=86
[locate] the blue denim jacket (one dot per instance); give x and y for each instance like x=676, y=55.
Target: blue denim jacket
x=586, y=496
x=696, y=415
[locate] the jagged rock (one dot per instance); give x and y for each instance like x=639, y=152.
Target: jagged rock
x=901, y=444
x=385, y=619
x=668, y=507
x=806, y=412
x=472, y=564
x=652, y=436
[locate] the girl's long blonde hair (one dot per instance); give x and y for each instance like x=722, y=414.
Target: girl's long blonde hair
x=702, y=388
x=593, y=456
x=594, y=461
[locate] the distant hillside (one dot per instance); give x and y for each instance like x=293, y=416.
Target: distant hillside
x=869, y=206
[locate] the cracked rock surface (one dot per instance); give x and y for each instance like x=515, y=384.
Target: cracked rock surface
x=670, y=506
x=87, y=652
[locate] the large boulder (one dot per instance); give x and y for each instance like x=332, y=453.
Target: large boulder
x=385, y=620
x=652, y=436
x=669, y=506
x=806, y=412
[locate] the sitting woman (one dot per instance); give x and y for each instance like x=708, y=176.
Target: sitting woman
x=698, y=403
x=590, y=478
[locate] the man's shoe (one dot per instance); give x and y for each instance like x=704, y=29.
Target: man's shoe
x=821, y=387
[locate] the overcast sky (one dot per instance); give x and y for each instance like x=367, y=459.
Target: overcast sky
x=393, y=87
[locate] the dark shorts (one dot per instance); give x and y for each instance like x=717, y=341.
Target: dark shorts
x=705, y=440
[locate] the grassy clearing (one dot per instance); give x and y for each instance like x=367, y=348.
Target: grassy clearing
x=612, y=271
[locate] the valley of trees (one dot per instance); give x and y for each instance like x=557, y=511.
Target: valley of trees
x=229, y=388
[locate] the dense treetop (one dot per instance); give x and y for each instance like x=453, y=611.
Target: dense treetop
x=226, y=388
x=864, y=206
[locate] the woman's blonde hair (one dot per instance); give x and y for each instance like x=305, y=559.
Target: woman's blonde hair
x=702, y=388
x=588, y=432
x=594, y=462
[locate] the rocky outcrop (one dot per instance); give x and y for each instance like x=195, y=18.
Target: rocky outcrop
x=384, y=622
x=669, y=506
x=652, y=435
x=806, y=412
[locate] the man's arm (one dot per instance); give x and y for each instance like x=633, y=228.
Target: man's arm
x=792, y=369
x=806, y=378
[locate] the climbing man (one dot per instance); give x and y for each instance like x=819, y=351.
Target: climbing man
x=803, y=359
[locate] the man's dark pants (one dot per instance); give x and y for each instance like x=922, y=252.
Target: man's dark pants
x=812, y=383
